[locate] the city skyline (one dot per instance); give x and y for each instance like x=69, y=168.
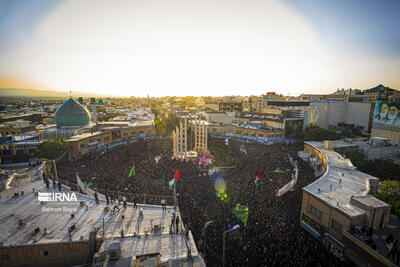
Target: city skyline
x=132, y=48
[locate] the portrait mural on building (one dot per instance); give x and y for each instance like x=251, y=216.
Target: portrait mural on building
x=387, y=115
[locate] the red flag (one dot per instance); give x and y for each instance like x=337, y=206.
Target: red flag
x=259, y=175
x=204, y=156
x=177, y=174
x=117, y=186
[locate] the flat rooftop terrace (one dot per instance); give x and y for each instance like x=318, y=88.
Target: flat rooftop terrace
x=35, y=214
x=341, y=182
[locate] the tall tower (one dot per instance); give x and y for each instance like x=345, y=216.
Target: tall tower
x=200, y=136
x=148, y=99
x=93, y=102
x=179, y=136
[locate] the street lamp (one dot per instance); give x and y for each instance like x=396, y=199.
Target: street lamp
x=203, y=235
x=237, y=226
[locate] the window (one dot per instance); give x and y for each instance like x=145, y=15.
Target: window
x=337, y=226
x=82, y=145
x=113, y=254
x=5, y=257
x=315, y=212
x=45, y=253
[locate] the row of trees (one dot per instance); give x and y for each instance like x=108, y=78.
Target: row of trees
x=164, y=121
x=384, y=169
x=318, y=133
x=52, y=149
x=389, y=192
x=381, y=168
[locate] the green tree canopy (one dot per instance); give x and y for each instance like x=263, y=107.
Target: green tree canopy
x=318, y=133
x=52, y=148
x=381, y=168
x=389, y=192
x=160, y=127
x=357, y=157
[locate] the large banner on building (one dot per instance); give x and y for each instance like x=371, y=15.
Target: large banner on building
x=387, y=116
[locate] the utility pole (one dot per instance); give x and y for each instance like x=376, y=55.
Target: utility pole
x=203, y=234
x=237, y=226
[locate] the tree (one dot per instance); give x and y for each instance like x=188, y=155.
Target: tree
x=381, y=168
x=52, y=148
x=389, y=192
x=318, y=133
x=160, y=127
x=357, y=157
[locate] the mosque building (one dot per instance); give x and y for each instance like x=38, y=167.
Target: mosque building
x=71, y=117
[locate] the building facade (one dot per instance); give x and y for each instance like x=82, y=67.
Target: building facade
x=230, y=107
x=339, y=203
x=86, y=143
x=19, y=146
x=272, y=135
x=180, y=138
x=329, y=114
x=381, y=92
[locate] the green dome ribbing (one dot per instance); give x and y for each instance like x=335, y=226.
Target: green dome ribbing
x=71, y=113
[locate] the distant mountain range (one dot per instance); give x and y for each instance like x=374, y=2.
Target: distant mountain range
x=43, y=93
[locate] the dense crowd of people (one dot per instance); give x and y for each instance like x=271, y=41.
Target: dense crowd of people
x=272, y=235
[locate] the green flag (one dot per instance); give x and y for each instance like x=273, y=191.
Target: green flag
x=242, y=212
x=132, y=172
x=278, y=170
x=172, y=183
x=159, y=181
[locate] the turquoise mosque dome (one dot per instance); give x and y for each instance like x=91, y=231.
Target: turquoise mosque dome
x=72, y=114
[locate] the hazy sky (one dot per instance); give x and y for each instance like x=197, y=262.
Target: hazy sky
x=203, y=47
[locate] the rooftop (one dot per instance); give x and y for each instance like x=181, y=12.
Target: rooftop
x=219, y=114
x=35, y=214
x=169, y=247
x=85, y=135
x=379, y=88
x=143, y=123
x=370, y=201
x=340, y=182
